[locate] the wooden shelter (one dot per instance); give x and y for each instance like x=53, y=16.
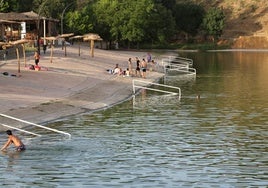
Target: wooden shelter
x=7, y=26
x=16, y=44
x=52, y=39
x=92, y=37
x=65, y=37
x=78, y=37
x=30, y=25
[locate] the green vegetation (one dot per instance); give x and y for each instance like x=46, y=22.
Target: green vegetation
x=131, y=23
x=213, y=22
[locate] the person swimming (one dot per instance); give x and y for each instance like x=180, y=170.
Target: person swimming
x=15, y=140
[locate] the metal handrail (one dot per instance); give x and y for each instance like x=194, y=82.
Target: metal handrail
x=180, y=68
x=183, y=59
x=34, y=124
x=185, y=63
x=20, y=129
x=152, y=89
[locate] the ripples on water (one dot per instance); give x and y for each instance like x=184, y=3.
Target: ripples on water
x=154, y=141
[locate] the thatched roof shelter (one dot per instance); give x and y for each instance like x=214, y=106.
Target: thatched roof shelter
x=16, y=43
x=77, y=37
x=8, y=21
x=91, y=37
x=52, y=46
x=21, y=41
x=66, y=35
x=24, y=16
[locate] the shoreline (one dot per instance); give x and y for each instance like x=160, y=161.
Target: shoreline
x=71, y=84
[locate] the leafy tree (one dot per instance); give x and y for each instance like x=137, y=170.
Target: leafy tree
x=23, y=5
x=4, y=6
x=170, y=4
x=213, y=22
x=138, y=17
x=80, y=22
x=52, y=8
x=126, y=19
x=83, y=3
x=161, y=25
x=103, y=10
x=189, y=17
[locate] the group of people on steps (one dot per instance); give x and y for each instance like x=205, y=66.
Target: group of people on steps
x=141, y=66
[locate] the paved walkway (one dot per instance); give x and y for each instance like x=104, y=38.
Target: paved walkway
x=71, y=84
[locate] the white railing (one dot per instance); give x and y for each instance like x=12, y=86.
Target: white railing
x=164, y=62
x=174, y=66
x=144, y=85
x=180, y=69
x=20, y=130
x=179, y=59
x=34, y=124
x=184, y=60
x=178, y=65
x=182, y=63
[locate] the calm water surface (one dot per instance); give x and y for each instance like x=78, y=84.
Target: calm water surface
x=156, y=140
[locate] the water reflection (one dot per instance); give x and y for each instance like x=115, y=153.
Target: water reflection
x=156, y=140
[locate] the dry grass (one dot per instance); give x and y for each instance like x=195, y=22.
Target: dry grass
x=246, y=21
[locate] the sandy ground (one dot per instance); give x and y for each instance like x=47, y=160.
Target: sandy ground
x=72, y=84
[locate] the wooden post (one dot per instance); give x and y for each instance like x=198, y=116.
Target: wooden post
x=24, y=56
x=92, y=48
x=65, y=52
x=51, y=52
x=79, y=49
x=18, y=57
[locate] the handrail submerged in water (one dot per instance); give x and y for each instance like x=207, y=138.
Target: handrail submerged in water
x=183, y=68
x=20, y=129
x=162, y=85
x=34, y=124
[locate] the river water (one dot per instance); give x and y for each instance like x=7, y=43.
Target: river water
x=156, y=140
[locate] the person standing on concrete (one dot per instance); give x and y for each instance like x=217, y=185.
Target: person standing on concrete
x=148, y=57
x=36, y=57
x=130, y=66
x=44, y=48
x=138, y=69
x=143, y=68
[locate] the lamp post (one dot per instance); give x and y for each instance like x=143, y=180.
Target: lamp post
x=38, y=25
x=62, y=14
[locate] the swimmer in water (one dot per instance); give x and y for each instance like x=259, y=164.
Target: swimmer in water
x=15, y=140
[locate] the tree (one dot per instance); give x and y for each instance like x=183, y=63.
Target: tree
x=51, y=8
x=126, y=19
x=80, y=22
x=138, y=17
x=169, y=5
x=213, y=22
x=161, y=25
x=189, y=18
x=22, y=5
x=4, y=6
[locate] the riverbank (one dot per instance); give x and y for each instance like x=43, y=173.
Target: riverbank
x=70, y=85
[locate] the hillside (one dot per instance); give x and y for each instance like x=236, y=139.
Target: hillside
x=246, y=21
x=245, y=17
